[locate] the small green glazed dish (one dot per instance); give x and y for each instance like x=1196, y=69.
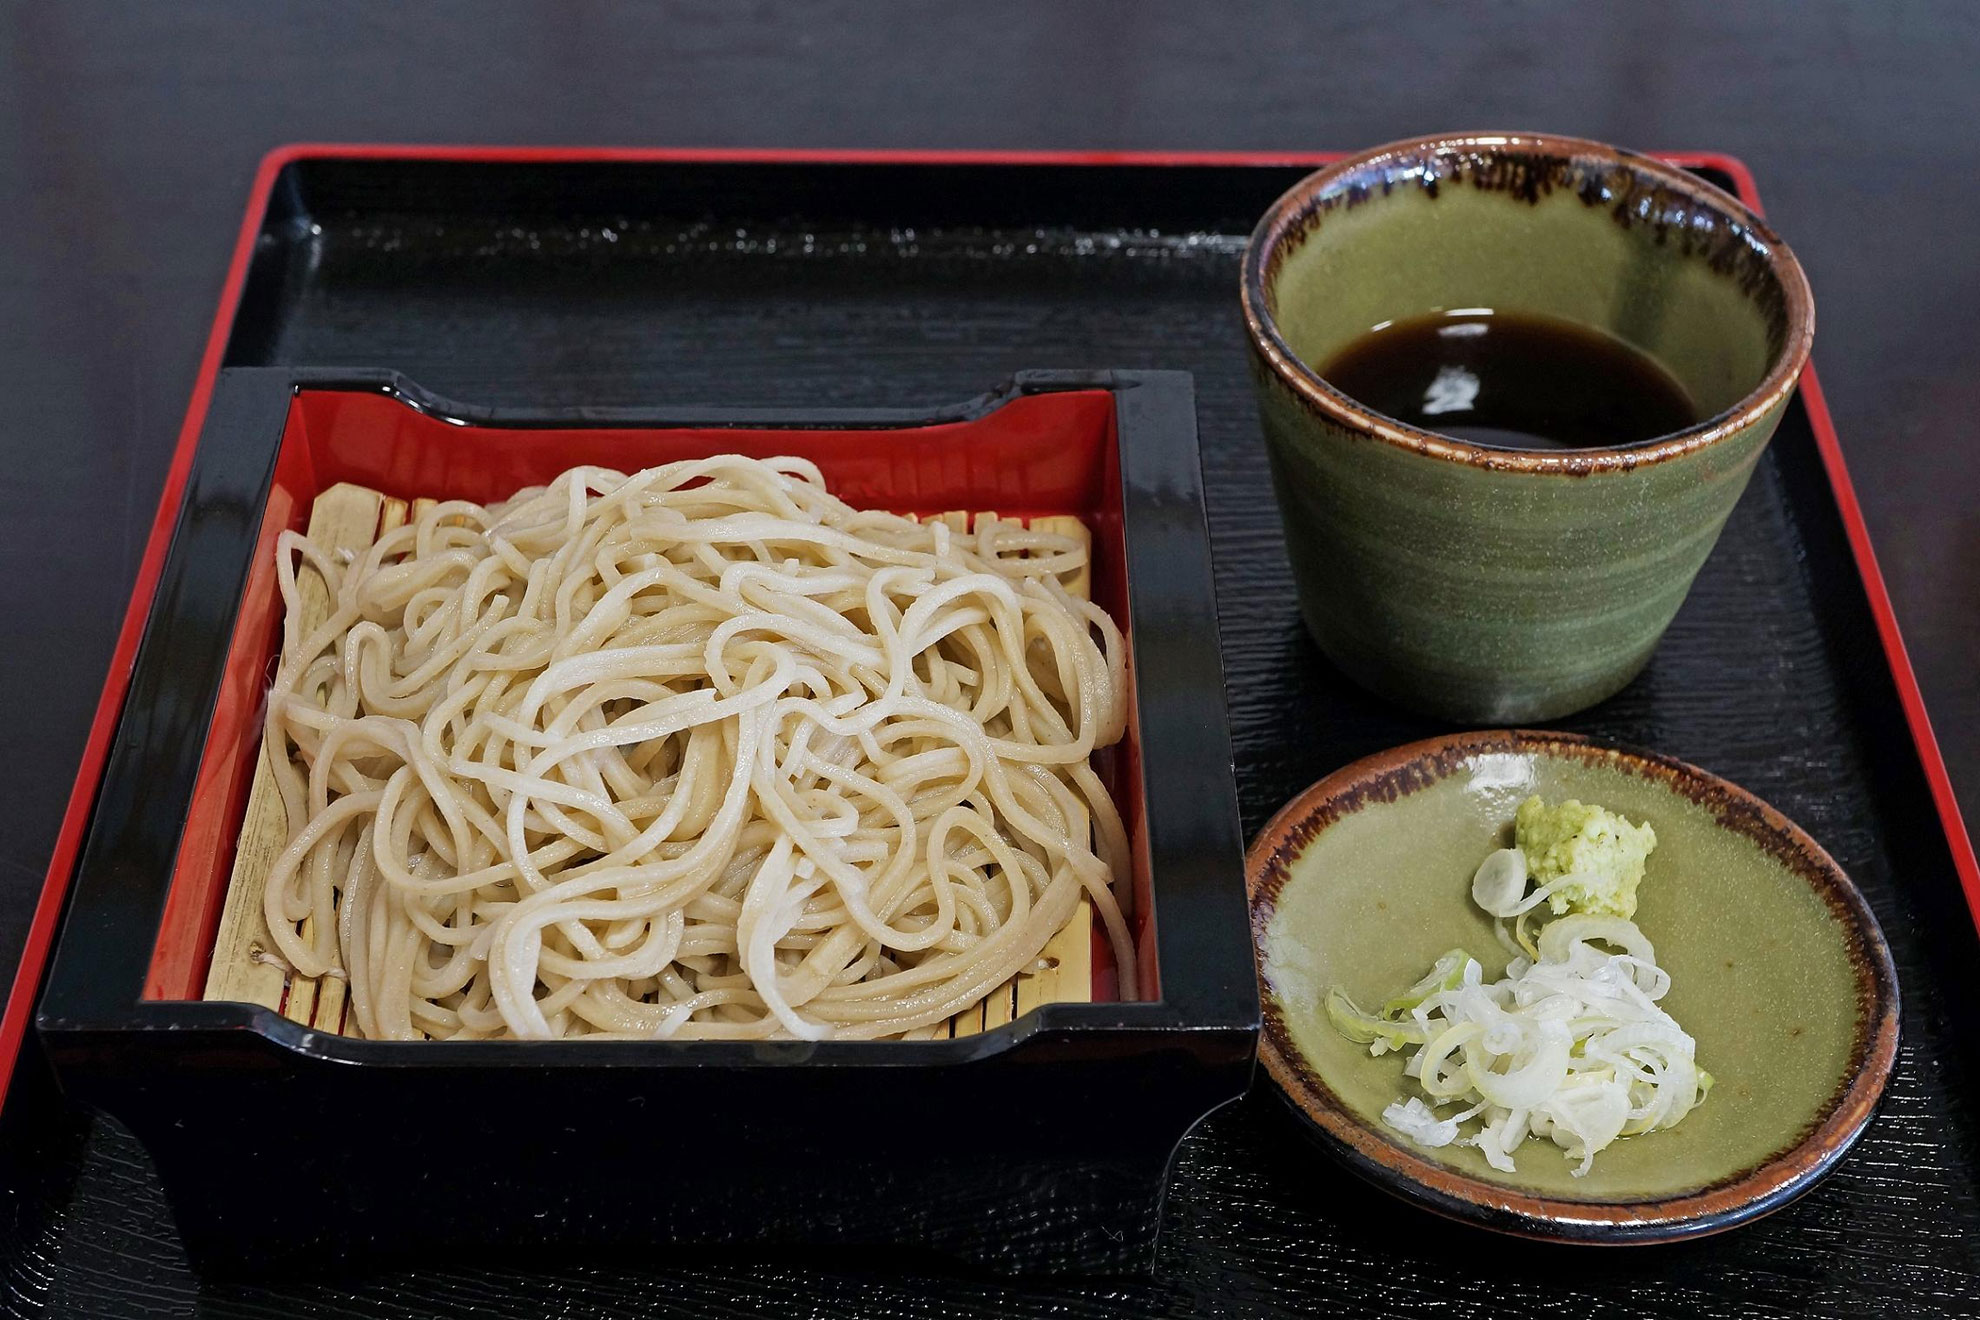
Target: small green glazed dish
x=1497, y=585
x=1778, y=971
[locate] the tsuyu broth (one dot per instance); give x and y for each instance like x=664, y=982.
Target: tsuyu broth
x=1512, y=380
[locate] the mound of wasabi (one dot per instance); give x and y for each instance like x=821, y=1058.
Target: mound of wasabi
x=1570, y=1044
x=1595, y=854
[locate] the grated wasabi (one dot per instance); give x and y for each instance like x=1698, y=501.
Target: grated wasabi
x=1590, y=859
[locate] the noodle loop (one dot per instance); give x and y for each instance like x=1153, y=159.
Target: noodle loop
x=700, y=752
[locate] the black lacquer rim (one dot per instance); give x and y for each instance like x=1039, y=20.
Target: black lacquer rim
x=1199, y=917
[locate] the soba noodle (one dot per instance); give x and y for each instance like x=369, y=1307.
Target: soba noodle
x=697, y=752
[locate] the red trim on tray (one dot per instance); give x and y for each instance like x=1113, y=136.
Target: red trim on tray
x=96, y=748
x=1896, y=657
x=795, y=156
x=282, y=156
x=41, y=931
x=1731, y=166
x=1912, y=697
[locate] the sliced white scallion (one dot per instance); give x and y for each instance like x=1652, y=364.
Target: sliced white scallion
x=1499, y=881
x=1570, y=1044
x=1420, y=1123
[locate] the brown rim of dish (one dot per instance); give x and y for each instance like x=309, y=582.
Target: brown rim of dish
x=1286, y=219
x=1392, y=1164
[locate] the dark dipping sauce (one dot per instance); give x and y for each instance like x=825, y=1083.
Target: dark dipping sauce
x=1512, y=380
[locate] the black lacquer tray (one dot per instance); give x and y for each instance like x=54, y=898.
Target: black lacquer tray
x=540, y=280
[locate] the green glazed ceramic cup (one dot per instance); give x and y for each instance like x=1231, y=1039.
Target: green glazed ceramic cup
x=1501, y=585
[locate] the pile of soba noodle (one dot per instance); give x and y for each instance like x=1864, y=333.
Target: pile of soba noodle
x=697, y=752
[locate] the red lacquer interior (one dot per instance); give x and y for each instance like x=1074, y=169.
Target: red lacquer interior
x=1035, y=456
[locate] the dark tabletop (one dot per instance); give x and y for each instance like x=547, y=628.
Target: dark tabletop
x=129, y=133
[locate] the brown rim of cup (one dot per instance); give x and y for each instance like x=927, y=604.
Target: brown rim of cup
x=1287, y=216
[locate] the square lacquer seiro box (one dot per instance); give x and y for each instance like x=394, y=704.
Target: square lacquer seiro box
x=1056, y=1104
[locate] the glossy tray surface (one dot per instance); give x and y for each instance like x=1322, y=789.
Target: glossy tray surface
x=808, y=284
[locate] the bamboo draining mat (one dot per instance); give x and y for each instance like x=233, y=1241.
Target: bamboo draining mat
x=245, y=967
